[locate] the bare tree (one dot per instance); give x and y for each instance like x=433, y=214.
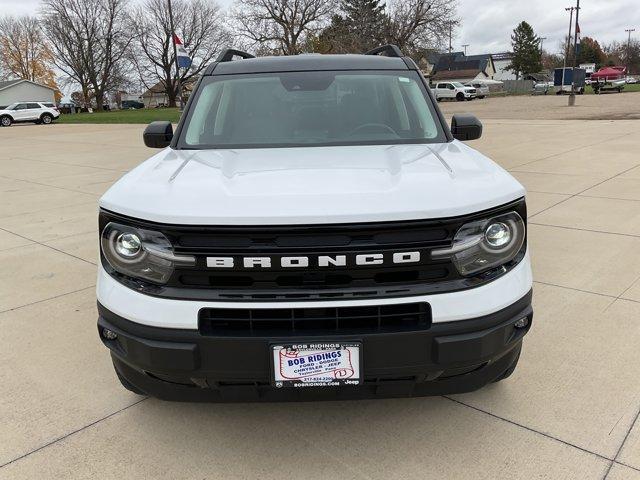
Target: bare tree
x=198, y=23
x=90, y=39
x=416, y=25
x=281, y=26
x=24, y=52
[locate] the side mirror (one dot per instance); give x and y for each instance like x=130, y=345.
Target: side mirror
x=466, y=127
x=158, y=134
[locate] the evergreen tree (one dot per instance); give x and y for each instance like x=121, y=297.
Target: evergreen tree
x=358, y=27
x=364, y=21
x=527, y=57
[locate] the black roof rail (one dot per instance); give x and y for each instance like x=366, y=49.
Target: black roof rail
x=227, y=55
x=389, y=50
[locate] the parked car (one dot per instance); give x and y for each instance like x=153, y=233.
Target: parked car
x=453, y=91
x=482, y=90
x=36, y=112
x=631, y=80
x=542, y=88
x=131, y=105
x=313, y=229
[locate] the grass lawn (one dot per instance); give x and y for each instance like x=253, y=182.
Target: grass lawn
x=629, y=87
x=143, y=115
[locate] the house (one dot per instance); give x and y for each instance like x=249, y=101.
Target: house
x=427, y=62
x=501, y=61
x=12, y=91
x=458, y=67
x=462, y=76
x=156, y=96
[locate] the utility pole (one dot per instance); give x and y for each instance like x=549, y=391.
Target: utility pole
x=465, y=48
x=572, y=97
x=450, y=33
x=175, y=56
x=629, y=31
x=542, y=39
x=568, y=49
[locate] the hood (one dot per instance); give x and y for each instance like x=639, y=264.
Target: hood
x=311, y=185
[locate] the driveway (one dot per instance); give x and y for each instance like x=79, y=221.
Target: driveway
x=569, y=411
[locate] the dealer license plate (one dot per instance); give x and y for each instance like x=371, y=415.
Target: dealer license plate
x=328, y=364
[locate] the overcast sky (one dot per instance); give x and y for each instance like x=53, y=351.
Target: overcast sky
x=487, y=24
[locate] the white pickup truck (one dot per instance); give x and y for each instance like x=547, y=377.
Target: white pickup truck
x=454, y=91
x=313, y=229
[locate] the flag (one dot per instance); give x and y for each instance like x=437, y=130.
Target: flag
x=183, y=57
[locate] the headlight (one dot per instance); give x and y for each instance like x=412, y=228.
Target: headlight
x=484, y=244
x=140, y=253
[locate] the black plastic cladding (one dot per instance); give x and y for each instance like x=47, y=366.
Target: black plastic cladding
x=277, y=284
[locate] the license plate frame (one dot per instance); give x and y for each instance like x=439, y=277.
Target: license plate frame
x=316, y=364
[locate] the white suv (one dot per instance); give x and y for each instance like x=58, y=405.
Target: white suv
x=312, y=230
x=454, y=91
x=36, y=112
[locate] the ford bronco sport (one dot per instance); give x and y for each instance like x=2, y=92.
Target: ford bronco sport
x=313, y=229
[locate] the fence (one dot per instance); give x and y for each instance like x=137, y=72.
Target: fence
x=518, y=86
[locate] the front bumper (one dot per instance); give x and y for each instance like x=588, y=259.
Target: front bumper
x=448, y=357
x=446, y=307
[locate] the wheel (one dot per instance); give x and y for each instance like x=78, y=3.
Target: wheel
x=46, y=119
x=128, y=385
x=6, y=121
x=507, y=373
x=460, y=97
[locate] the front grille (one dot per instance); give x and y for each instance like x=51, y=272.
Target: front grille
x=200, y=282
x=313, y=282
x=309, y=321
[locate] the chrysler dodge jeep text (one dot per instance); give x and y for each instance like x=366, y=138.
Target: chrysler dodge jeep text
x=313, y=229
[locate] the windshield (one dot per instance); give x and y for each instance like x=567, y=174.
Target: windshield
x=311, y=109
x=458, y=84
x=12, y=106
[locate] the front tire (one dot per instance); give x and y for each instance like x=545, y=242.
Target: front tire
x=460, y=97
x=6, y=121
x=46, y=119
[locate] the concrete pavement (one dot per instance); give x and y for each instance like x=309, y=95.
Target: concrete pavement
x=569, y=411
